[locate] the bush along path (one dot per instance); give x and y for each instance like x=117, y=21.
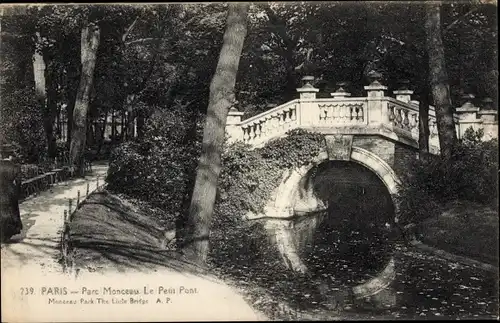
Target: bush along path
x=38, y=246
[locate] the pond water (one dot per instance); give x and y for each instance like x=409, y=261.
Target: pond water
x=426, y=287
x=354, y=243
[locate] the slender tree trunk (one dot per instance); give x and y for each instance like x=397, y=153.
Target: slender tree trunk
x=182, y=219
x=46, y=96
x=49, y=119
x=89, y=45
x=69, y=122
x=103, y=132
x=72, y=92
x=130, y=101
x=50, y=114
x=423, y=123
x=140, y=123
x=195, y=245
x=439, y=80
x=39, y=73
x=123, y=127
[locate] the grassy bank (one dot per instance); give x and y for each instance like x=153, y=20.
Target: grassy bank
x=110, y=231
x=466, y=229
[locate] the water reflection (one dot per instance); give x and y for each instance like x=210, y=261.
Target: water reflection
x=354, y=243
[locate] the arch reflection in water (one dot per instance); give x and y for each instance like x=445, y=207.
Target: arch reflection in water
x=351, y=242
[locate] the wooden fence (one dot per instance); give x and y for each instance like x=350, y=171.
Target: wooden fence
x=41, y=177
x=68, y=215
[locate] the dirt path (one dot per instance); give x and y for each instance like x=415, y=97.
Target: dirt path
x=37, y=247
x=35, y=288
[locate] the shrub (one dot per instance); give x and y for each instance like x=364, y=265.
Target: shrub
x=242, y=249
x=21, y=125
x=159, y=167
x=470, y=174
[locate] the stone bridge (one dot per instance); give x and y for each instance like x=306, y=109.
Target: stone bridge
x=368, y=142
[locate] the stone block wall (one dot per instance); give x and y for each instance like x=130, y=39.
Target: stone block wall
x=381, y=147
x=397, y=155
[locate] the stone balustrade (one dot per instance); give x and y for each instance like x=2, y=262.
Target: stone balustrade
x=397, y=117
x=264, y=126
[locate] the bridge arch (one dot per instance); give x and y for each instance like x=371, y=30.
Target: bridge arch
x=286, y=196
x=290, y=184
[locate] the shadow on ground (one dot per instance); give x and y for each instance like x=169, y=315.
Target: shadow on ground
x=110, y=233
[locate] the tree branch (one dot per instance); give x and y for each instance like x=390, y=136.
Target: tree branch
x=139, y=41
x=280, y=28
x=129, y=29
x=459, y=19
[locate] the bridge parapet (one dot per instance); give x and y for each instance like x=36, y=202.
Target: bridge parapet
x=397, y=118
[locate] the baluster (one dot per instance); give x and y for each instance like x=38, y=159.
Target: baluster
x=275, y=123
x=398, y=118
x=406, y=122
x=257, y=129
x=414, y=123
x=293, y=113
x=268, y=126
x=344, y=113
x=335, y=115
x=351, y=113
x=322, y=114
x=287, y=116
x=246, y=134
x=251, y=133
x=392, y=116
x=327, y=113
x=281, y=121
x=357, y=110
x=263, y=127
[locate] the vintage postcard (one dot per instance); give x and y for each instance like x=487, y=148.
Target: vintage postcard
x=258, y=161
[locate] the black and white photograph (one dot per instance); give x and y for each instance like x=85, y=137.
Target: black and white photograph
x=249, y=161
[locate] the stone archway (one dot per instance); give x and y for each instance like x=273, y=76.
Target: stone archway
x=280, y=206
x=290, y=183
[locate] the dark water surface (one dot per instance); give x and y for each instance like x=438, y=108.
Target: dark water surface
x=426, y=287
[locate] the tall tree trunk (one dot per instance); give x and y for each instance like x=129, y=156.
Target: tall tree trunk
x=439, y=80
x=39, y=73
x=181, y=220
x=69, y=120
x=89, y=45
x=72, y=93
x=45, y=93
x=49, y=118
x=423, y=122
x=195, y=245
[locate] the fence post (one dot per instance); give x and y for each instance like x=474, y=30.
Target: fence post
x=65, y=216
x=78, y=199
x=70, y=204
x=87, y=194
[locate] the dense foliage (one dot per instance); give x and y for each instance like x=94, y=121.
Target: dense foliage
x=153, y=56
x=469, y=175
x=159, y=167
x=248, y=176
x=238, y=247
